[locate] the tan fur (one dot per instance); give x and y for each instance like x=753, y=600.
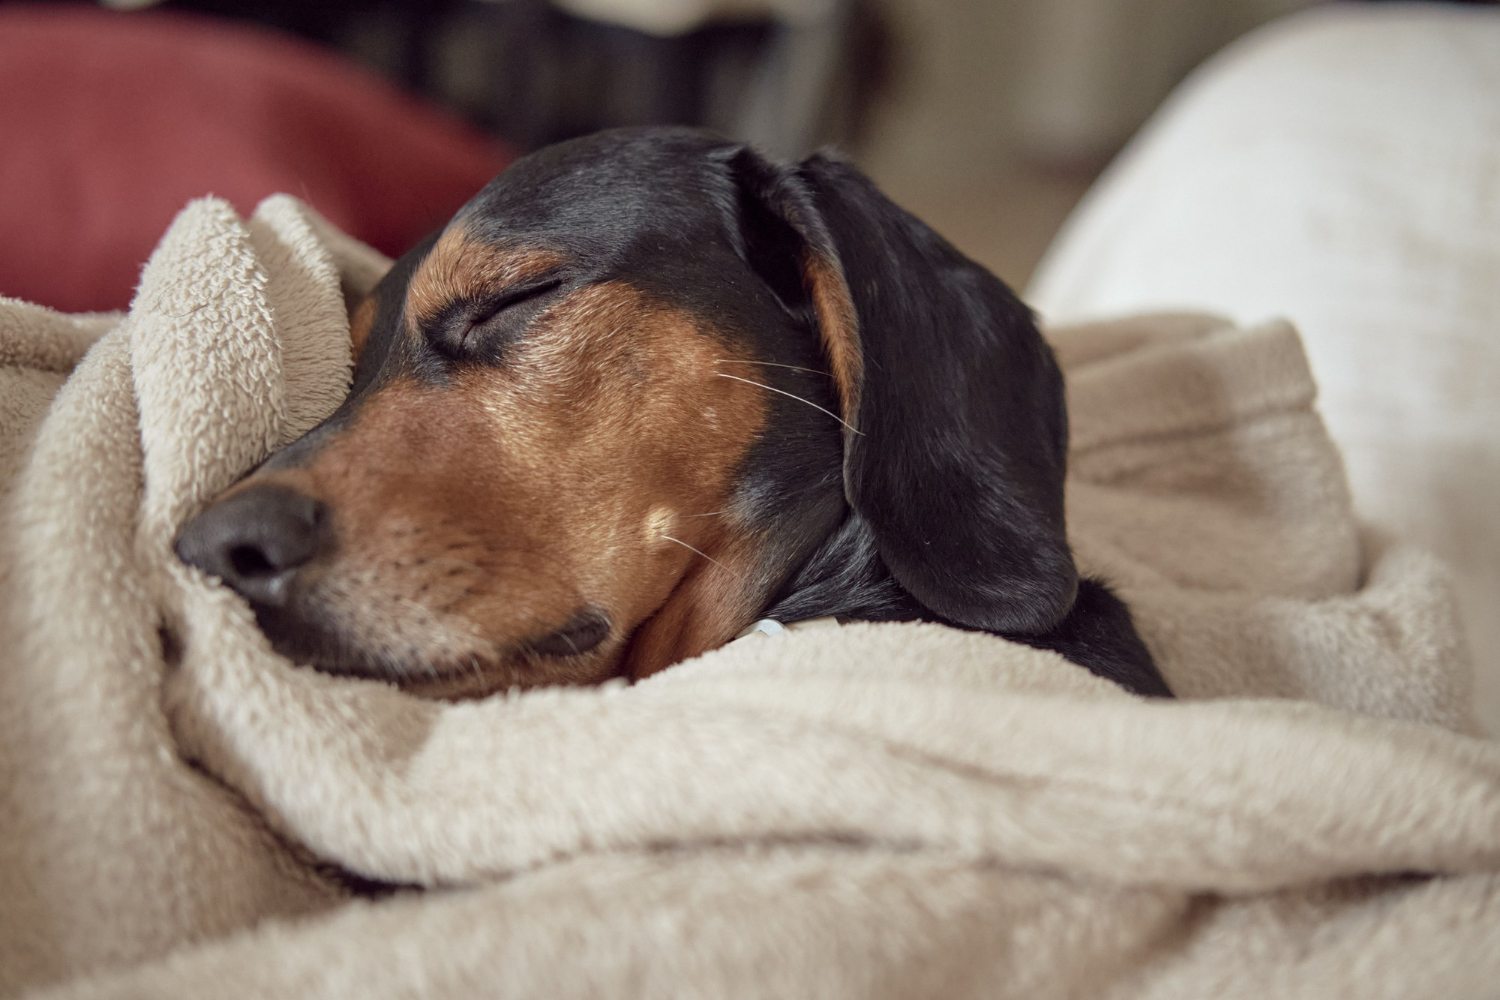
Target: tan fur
x=707, y=608
x=475, y=516
x=461, y=267
x=838, y=327
x=360, y=322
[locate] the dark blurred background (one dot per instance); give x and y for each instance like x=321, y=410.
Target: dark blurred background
x=989, y=118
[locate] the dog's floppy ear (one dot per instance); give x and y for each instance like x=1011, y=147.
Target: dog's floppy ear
x=956, y=445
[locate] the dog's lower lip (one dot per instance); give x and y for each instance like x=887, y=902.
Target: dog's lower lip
x=304, y=644
x=307, y=642
x=581, y=633
x=579, y=636
x=426, y=673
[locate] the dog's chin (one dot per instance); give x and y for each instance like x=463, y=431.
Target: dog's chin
x=436, y=673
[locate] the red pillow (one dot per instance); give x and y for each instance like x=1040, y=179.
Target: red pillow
x=110, y=123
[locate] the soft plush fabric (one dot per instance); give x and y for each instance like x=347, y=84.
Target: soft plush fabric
x=110, y=123
x=857, y=811
x=1340, y=169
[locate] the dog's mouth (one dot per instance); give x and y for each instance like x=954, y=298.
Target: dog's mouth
x=443, y=662
x=581, y=634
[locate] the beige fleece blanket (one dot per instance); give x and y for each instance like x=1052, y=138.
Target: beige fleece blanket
x=860, y=811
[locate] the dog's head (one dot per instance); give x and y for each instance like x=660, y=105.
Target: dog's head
x=601, y=419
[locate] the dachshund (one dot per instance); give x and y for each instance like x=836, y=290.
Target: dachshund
x=644, y=389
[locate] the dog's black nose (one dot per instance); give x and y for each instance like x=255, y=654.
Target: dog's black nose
x=257, y=540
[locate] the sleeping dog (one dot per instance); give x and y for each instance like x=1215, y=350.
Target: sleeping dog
x=646, y=388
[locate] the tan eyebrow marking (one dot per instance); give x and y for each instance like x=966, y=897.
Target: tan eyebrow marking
x=460, y=266
x=360, y=322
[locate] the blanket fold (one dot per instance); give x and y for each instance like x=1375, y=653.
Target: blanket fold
x=857, y=811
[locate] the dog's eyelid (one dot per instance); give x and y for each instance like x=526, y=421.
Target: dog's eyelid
x=488, y=308
x=458, y=332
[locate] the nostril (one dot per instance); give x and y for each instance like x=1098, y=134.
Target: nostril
x=247, y=561
x=257, y=540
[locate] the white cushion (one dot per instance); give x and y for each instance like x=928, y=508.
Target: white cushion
x=1340, y=168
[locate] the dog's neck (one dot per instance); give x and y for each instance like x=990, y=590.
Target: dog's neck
x=844, y=577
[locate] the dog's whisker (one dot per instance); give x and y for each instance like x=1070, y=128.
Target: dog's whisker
x=769, y=364
x=690, y=548
x=712, y=513
x=799, y=399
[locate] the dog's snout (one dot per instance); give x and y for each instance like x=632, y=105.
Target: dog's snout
x=257, y=540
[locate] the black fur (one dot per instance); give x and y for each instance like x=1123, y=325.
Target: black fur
x=954, y=485
x=947, y=505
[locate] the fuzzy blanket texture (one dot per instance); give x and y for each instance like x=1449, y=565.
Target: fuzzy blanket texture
x=860, y=811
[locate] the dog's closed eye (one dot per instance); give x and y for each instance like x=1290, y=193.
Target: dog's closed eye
x=479, y=331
